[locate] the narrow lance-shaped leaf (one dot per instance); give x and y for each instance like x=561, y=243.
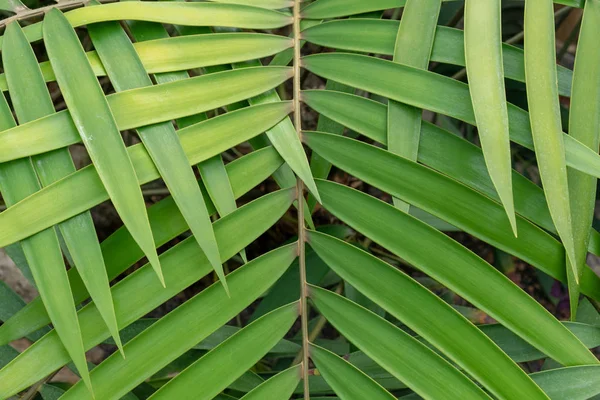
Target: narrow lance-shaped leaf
x=546, y=127
x=269, y=4
x=326, y=9
x=449, y=263
x=483, y=56
x=414, y=42
x=572, y=383
x=212, y=171
x=347, y=381
x=416, y=184
x=434, y=92
x=584, y=125
x=279, y=387
x=153, y=104
x=447, y=153
x=164, y=54
x=195, y=14
x=160, y=140
x=320, y=167
x=31, y=100
x=201, y=141
x=441, y=325
x=42, y=251
x=395, y=350
x=185, y=326
x=214, y=372
x=285, y=138
x=141, y=292
x=378, y=36
x=96, y=125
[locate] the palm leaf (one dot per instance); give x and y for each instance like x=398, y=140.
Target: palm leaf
x=231, y=358
x=153, y=104
x=323, y=9
x=98, y=130
x=401, y=234
x=379, y=36
x=195, y=14
x=200, y=142
x=584, y=126
x=42, y=251
x=440, y=150
x=140, y=292
x=31, y=100
x=346, y=380
x=120, y=251
x=395, y=350
x=433, y=92
x=483, y=36
x=161, y=141
x=414, y=42
x=448, y=331
x=210, y=309
x=546, y=127
x=279, y=387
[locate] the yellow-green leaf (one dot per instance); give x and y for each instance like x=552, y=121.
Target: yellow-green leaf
x=483, y=51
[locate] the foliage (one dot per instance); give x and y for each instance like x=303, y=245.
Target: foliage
x=201, y=83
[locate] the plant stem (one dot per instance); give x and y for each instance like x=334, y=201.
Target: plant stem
x=300, y=197
x=318, y=327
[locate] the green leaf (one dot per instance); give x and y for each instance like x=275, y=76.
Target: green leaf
x=126, y=72
x=271, y=4
x=120, y=250
x=546, y=127
x=395, y=350
x=279, y=387
x=521, y=351
x=186, y=326
x=140, y=293
x=42, y=251
x=483, y=50
x=449, y=263
x=572, y=383
x=96, y=126
x=194, y=14
x=200, y=141
x=284, y=138
x=445, y=198
x=443, y=151
x=346, y=380
x=171, y=54
x=144, y=106
x=31, y=100
x=214, y=372
x=379, y=37
x=212, y=171
x=287, y=289
x=434, y=92
x=414, y=41
x=584, y=125
x=324, y=9
x=441, y=325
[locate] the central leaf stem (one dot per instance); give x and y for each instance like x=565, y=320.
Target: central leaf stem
x=300, y=196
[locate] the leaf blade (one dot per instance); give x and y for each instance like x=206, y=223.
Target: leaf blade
x=161, y=141
x=405, y=299
x=31, y=100
x=411, y=365
x=483, y=38
x=212, y=373
x=391, y=219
